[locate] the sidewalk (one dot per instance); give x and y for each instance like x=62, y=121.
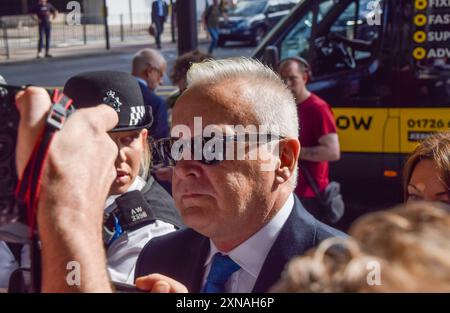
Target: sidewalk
x=96, y=48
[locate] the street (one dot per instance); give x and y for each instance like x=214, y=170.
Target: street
x=56, y=71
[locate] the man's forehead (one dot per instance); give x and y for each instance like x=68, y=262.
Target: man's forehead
x=289, y=66
x=215, y=104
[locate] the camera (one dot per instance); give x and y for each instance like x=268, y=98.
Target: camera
x=9, y=120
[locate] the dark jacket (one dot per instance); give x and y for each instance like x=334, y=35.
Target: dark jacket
x=160, y=126
x=155, y=16
x=181, y=255
x=161, y=203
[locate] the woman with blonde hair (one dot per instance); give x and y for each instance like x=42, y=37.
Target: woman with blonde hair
x=138, y=208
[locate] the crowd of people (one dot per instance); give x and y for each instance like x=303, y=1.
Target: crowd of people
x=225, y=224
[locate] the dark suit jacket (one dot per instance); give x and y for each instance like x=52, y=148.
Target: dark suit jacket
x=160, y=126
x=181, y=255
x=155, y=16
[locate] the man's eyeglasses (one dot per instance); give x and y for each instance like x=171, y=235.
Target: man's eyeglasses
x=157, y=70
x=207, y=150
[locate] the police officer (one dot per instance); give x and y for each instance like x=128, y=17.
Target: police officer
x=138, y=208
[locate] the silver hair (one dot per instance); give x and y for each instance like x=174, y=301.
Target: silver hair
x=145, y=57
x=273, y=103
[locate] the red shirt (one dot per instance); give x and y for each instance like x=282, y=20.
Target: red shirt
x=316, y=120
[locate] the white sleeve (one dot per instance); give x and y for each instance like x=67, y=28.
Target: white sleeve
x=7, y=264
x=124, y=251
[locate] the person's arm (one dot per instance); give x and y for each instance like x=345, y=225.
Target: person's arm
x=77, y=175
x=327, y=150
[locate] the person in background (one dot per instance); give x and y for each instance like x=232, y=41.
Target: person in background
x=137, y=208
x=318, y=134
x=211, y=19
x=405, y=249
x=82, y=154
x=178, y=77
x=179, y=71
x=427, y=171
x=244, y=221
x=149, y=68
x=43, y=10
x=159, y=16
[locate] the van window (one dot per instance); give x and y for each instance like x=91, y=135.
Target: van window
x=273, y=8
x=345, y=23
x=324, y=8
x=284, y=6
x=346, y=35
x=248, y=8
x=351, y=37
x=296, y=42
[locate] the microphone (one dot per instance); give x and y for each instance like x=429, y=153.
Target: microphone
x=133, y=211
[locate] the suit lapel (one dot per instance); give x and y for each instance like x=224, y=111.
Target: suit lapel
x=296, y=237
x=193, y=261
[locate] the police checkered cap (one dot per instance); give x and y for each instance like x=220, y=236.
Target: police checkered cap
x=119, y=90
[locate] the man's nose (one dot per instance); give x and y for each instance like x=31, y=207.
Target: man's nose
x=188, y=168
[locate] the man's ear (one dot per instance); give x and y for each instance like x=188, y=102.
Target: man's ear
x=289, y=153
x=305, y=77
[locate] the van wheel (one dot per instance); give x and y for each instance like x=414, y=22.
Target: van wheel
x=260, y=32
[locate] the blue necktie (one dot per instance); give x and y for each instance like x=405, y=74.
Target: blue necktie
x=222, y=268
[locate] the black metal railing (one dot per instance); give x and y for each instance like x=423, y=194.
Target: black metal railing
x=22, y=31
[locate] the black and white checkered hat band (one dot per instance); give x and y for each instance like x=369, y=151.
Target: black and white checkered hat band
x=137, y=114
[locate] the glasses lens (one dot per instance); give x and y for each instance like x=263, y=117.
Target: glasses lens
x=207, y=150
x=167, y=151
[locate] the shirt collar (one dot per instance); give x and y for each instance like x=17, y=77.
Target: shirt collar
x=251, y=254
x=142, y=81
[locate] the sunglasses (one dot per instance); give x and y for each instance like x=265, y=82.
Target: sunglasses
x=206, y=150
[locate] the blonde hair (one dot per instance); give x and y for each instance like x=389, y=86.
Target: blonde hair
x=409, y=244
x=146, y=160
x=435, y=148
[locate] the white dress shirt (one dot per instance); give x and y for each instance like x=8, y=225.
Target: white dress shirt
x=9, y=264
x=251, y=254
x=122, y=254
